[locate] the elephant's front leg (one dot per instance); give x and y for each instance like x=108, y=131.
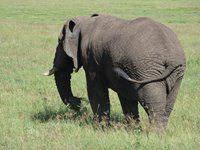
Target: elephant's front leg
x=98, y=96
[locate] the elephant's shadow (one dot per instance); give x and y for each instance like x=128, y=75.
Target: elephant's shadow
x=83, y=117
x=62, y=114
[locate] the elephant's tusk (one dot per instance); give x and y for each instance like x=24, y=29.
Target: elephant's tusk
x=52, y=71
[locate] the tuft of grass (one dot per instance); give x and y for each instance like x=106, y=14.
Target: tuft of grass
x=32, y=115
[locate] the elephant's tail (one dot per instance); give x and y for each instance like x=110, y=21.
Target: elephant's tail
x=168, y=71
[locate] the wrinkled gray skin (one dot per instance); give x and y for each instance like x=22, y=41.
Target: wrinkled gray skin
x=141, y=60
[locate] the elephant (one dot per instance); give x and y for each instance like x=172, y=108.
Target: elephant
x=141, y=60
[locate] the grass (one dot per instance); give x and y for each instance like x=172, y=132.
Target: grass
x=32, y=115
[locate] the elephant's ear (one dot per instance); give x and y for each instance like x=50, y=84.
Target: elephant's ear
x=71, y=34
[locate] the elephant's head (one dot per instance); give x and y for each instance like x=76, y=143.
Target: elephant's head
x=66, y=58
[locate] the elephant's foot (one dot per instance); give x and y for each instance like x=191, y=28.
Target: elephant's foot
x=102, y=122
x=159, y=125
x=132, y=119
x=132, y=122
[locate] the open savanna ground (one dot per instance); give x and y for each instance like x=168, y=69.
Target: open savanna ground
x=32, y=115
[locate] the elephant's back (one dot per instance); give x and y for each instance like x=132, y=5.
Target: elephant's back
x=146, y=38
x=145, y=48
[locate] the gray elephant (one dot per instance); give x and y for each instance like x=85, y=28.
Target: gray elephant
x=141, y=60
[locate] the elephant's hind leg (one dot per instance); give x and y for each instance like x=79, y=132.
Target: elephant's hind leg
x=98, y=96
x=130, y=109
x=153, y=99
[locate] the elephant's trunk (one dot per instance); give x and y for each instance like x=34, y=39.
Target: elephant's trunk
x=64, y=86
x=62, y=79
x=62, y=69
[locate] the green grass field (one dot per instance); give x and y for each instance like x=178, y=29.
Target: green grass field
x=32, y=115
